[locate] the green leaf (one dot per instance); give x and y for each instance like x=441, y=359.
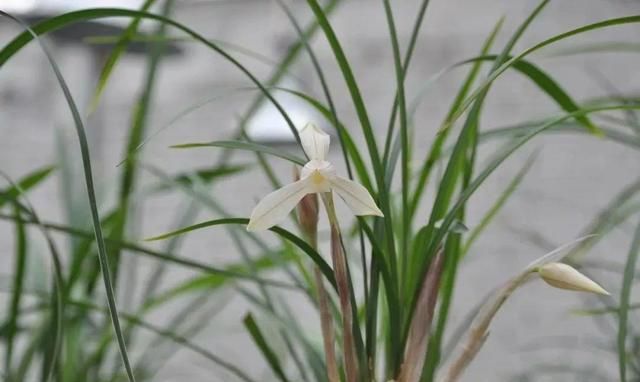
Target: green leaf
x=506, y=152
x=281, y=70
x=224, y=93
x=559, y=37
x=454, y=173
x=206, y=176
x=58, y=22
x=606, y=310
x=267, y=352
x=185, y=216
x=550, y=87
x=352, y=85
x=625, y=296
x=566, y=127
x=499, y=203
x=128, y=176
x=211, y=282
x=332, y=115
x=405, y=152
x=248, y=146
x=50, y=346
x=405, y=68
x=306, y=248
x=186, y=343
x=162, y=256
x=597, y=47
x=11, y=328
x=25, y=184
x=117, y=51
x=374, y=154
x=90, y=191
x=617, y=211
x=436, y=148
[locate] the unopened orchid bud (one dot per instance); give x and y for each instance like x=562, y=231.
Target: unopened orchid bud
x=564, y=276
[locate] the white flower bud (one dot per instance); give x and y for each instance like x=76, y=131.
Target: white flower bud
x=564, y=276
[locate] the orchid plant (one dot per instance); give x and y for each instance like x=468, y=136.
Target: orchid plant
x=384, y=314
x=318, y=177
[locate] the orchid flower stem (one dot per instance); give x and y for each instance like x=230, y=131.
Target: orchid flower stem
x=328, y=335
x=479, y=332
x=326, y=320
x=308, y=218
x=343, y=283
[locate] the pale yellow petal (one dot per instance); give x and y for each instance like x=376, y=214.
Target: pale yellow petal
x=275, y=207
x=355, y=196
x=315, y=142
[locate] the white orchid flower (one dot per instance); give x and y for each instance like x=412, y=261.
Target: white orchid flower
x=318, y=175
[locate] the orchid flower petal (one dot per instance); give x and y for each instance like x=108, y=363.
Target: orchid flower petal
x=275, y=207
x=315, y=142
x=355, y=196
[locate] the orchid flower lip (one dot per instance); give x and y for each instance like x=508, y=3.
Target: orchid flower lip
x=318, y=175
x=317, y=165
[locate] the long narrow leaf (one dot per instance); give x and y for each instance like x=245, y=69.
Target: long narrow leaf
x=559, y=37
x=495, y=208
x=306, y=248
x=454, y=173
x=404, y=143
x=118, y=50
x=263, y=345
x=13, y=321
x=53, y=345
x=436, y=147
x=58, y=22
x=25, y=184
x=248, y=146
x=86, y=161
x=625, y=295
x=186, y=343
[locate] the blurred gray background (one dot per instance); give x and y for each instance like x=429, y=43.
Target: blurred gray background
x=574, y=176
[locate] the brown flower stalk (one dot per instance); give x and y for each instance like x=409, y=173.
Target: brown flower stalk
x=342, y=281
x=479, y=332
x=421, y=323
x=308, y=216
x=328, y=336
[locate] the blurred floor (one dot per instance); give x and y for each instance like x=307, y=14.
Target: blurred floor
x=572, y=179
